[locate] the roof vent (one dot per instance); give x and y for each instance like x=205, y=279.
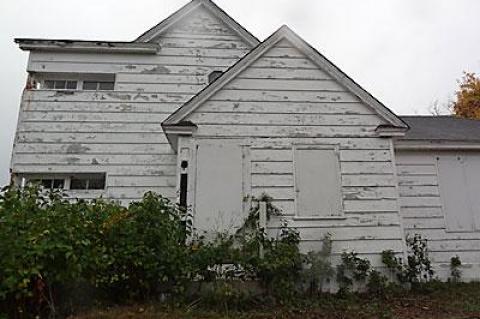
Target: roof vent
x=212, y=77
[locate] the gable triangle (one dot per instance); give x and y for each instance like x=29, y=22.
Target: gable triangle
x=313, y=60
x=189, y=10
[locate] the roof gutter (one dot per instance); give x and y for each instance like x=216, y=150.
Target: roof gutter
x=437, y=145
x=391, y=131
x=87, y=46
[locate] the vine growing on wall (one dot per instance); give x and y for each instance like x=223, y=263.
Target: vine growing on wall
x=251, y=222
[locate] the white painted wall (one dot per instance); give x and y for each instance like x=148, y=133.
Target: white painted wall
x=120, y=132
x=284, y=100
x=425, y=179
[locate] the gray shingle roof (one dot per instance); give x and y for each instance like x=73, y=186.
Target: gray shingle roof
x=447, y=128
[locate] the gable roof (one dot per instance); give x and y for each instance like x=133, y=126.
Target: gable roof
x=444, y=128
x=211, y=7
x=322, y=62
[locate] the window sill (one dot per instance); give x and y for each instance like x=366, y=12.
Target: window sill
x=314, y=218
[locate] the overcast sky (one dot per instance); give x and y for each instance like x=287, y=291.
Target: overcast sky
x=407, y=53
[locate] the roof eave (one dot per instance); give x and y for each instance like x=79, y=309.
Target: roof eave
x=173, y=132
x=56, y=45
x=391, y=131
x=440, y=144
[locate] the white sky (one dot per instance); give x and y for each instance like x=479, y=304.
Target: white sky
x=407, y=53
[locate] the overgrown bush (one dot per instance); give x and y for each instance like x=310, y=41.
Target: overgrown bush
x=237, y=257
x=281, y=266
x=144, y=249
x=48, y=242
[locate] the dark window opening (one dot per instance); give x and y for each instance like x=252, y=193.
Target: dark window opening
x=49, y=183
x=60, y=85
x=87, y=182
x=77, y=184
x=98, y=86
x=212, y=77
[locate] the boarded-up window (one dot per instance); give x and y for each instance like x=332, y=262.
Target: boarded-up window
x=459, y=178
x=219, y=187
x=317, y=182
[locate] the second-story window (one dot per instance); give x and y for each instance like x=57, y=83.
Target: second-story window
x=98, y=86
x=60, y=85
x=50, y=183
x=94, y=181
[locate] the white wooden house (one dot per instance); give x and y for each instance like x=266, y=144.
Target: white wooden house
x=198, y=110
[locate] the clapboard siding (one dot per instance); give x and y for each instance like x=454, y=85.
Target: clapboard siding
x=119, y=132
x=100, y=107
x=104, y=97
x=283, y=101
x=286, y=107
x=260, y=94
x=89, y=138
x=92, y=160
x=422, y=213
x=86, y=117
x=159, y=170
x=284, y=73
x=295, y=119
x=79, y=148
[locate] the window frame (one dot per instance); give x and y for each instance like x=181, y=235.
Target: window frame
x=331, y=147
x=50, y=81
x=98, y=85
x=67, y=180
x=56, y=81
x=52, y=179
x=88, y=178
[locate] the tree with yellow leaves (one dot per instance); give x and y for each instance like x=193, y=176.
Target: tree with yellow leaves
x=467, y=104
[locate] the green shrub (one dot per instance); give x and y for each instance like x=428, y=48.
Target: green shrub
x=455, y=272
x=47, y=242
x=145, y=251
x=352, y=269
x=418, y=267
x=377, y=283
x=317, y=268
x=280, y=269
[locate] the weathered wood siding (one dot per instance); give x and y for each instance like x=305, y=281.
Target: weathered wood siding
x=120, y=132
x=284, y=99
x=422, y=213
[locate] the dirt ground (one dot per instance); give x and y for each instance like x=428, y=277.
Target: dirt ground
x=455, y=302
